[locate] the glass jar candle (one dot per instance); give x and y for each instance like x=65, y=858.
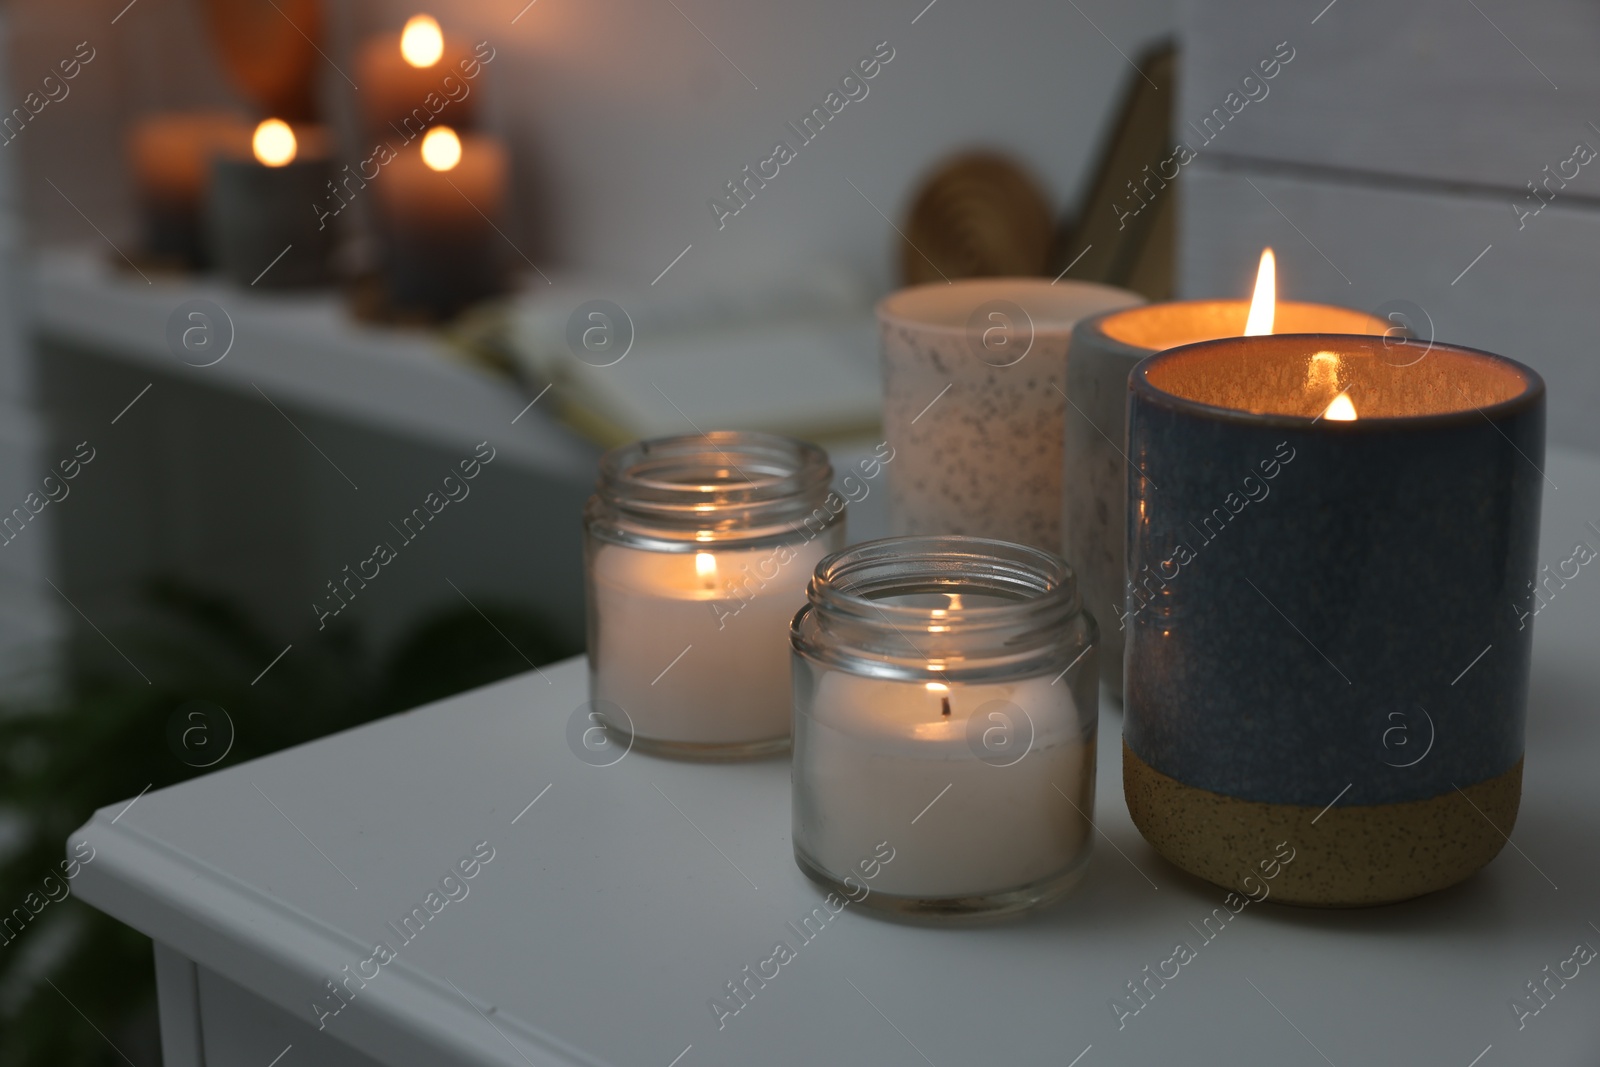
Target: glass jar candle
x=697, y=550
x=945, y=712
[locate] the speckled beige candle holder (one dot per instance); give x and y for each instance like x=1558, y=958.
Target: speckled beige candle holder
x=973, y=404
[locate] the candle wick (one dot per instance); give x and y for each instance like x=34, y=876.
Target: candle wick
x=944, y=704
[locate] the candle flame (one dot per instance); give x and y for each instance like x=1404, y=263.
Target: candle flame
x=938, y=687
x=1264, y=304
x=1341, y=409
x=705, y=565
x=273, y=143
x=441, y=148
x=421, y=42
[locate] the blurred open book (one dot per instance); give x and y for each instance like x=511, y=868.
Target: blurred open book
x=795, y=355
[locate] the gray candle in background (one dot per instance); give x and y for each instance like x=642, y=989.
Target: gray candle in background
x=973, y=374
x=1105, y=350
x=263, y=220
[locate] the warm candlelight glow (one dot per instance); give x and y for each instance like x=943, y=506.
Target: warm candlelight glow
x=1322, y=373
x=1341, y=410
x=441, y=148
x=274, y=143
x=938, y=687
x=705, y=565
x=1264, y=303
x=422, y=42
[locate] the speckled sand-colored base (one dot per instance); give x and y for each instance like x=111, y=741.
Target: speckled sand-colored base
x=1351, y=857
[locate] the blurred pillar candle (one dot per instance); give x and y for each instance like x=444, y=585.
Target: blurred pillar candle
x=1333, y=540
x=439, y=205
x=171, y=156
x=1105, y=349
x=419, y=76
x=973, y=404
x=263, y=214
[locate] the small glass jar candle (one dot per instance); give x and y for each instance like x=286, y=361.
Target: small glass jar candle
x=697, y=550
x=945, y=710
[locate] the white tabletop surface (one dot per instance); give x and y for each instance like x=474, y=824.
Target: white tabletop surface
x=622, y=900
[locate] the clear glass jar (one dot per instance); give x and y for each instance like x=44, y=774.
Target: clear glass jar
x=946, y=700
x=697, y=550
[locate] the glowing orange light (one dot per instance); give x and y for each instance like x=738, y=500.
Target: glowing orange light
x=1341, y=409
x=273, y=143
x=1264, y=304
x=441, y=148
x=938, y=687
x=705, y=565
x=421, y=42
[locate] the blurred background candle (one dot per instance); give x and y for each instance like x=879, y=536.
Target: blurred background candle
x=1105, y=349
x=973, y=405
x=440, y=202
x=415, y=78
x=945, y=698
x=1327, y=530
x=171, y=156
x=697, y=553
x=264, y=224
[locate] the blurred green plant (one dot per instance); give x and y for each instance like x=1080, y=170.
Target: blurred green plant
x=105, y=736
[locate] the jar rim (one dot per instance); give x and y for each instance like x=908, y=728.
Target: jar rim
x=1039, y=625
x=710, y=485
x=1145, y=389
x=844, y=581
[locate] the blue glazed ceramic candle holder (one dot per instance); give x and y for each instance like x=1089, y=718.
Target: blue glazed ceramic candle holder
x=1327, y=539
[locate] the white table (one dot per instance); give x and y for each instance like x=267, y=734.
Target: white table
x=624, y=897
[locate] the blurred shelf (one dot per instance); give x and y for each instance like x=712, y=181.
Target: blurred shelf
x=303, y=351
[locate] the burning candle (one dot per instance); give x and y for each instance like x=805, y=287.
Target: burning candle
x=1330, y=535
x=414, y=79
x=264, y=226
x=1105, y=349
x=171, y=156
x=945, y=702
x=697, y=553
x=440, y=203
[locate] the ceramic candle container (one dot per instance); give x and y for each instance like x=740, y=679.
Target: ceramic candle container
x=1105, y=349
x=1330, y=538
x=945, y=707
x=697, y=550
x=973, y=374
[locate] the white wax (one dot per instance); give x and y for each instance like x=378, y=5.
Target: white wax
x=732, y=684
x=872, y=754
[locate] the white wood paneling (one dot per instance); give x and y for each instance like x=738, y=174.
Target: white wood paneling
x=1444, y=90
x=1531, y=296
